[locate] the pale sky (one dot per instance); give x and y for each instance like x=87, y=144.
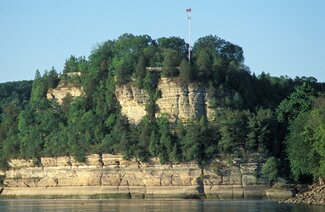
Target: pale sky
x=280, y=37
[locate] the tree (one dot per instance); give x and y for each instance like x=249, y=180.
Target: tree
x=204, y=64
x=9, y=119
x=15, y=91
x=71, y=65
x=145, y=129
x=173, y=43
x=219, y=47
x=171, y=61
x=270, y=169
x=211, y=93
x=140, y=72
x=185, y=72
x=154, y=147
x=191, y=143
x=299, y=101
x=123, y=71
x=39, y=88
x=315, y=132
x=305, y=143
x=261, y=130
x=200, y=143
x=232, y=129
x=52, y=78
x=219, y=70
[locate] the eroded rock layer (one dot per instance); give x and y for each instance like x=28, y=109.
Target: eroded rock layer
x=63, y=91
x=178, y=102
x=111, y=176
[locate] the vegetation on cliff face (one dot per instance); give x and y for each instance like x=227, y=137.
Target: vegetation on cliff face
x=276, y=116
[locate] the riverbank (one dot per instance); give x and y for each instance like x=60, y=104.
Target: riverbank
x=313, y=195
x=110, y=176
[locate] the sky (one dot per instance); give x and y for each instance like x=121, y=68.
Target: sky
x=280, y=37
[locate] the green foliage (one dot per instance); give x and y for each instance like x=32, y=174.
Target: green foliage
x=39, y=88
x=32, y=126
x=261, y=128
x=271, y=169
x=175, y=43
x=171, y=61
x=15, y=91
x=217, y=46
x=204, y=64
x=185, y=72
x=154, y=147
x=74, y=64
x=151, y=82
x=232, y=129
x=211, y=93
x=299, y=101
x=140, y=72
x=305, y=143
x=122, y=70
x=200, y=142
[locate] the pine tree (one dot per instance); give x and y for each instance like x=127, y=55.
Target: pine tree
x=140, y=72
x=185, y=72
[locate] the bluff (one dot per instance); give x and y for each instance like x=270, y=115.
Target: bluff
x=65, y=89
x=110, y=176
x=178, y=102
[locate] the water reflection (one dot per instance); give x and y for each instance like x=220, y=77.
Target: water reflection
x=150, y=205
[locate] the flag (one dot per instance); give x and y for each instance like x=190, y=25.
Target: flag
x=188, y=10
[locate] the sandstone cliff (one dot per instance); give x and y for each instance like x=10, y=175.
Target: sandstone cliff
x=133, y=101
x=65, y=89
x=178, y=102
x=111, y=176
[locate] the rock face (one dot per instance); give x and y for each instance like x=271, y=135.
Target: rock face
x=178, y=102
x=111, y=176
x=132, y=101
x=63, y=90
x=280, y=191
x=181, y=102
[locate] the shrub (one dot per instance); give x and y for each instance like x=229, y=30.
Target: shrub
x=270, y=169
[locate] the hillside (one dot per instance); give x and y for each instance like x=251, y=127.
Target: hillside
x=141, y=98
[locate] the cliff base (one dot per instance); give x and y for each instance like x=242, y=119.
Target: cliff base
x=313, y=195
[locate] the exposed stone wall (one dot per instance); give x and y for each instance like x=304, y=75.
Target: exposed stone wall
x=62, y=91
x=178, y=102
x=133, y=101
x=181, y=102
x=110, y=175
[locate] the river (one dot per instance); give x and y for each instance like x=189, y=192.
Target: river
x=133, y=205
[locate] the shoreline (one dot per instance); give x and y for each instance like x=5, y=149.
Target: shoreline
x=134, y=192
x=314, y=195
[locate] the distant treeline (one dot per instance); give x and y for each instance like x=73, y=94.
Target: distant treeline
x=280, y=117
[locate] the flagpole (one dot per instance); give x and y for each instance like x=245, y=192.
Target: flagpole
x=189, y=37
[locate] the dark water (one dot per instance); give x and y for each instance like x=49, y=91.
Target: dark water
x=150, y=205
